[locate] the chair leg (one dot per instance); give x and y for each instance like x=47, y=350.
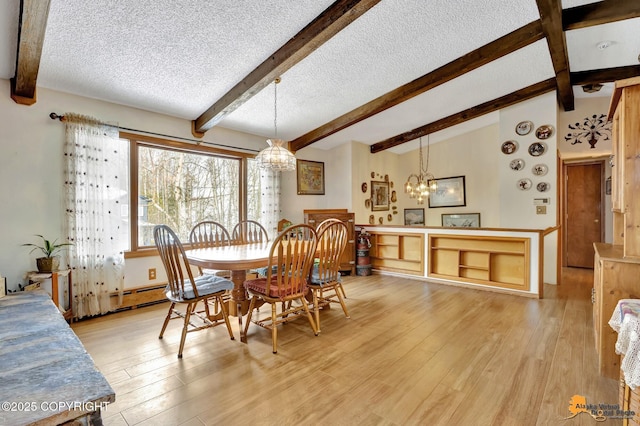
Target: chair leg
x=342, y=290
x=187, y=317
x=306, y=309
x=274, y=328
x=225, y=315
x=166, y=320
x=316, y=308
x=339, y=292
x=243, y=333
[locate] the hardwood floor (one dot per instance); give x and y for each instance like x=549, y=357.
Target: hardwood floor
x=412, y=353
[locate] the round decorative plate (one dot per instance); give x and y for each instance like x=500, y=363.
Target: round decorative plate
x=544, y=132
x=524, y=128
x=524, y=184
x=517, y=164
x=543, y=187
x=509, y=147
x=539, y=169
x=536, y=149
x=364, y=187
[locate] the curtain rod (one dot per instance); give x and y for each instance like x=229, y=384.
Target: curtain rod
x=55, y=116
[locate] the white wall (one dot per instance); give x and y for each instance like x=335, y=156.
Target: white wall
x=31, y=170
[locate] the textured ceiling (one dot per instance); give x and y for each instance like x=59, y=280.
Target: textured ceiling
x=178, y=57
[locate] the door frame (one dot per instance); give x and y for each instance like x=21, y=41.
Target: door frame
x=563, y=194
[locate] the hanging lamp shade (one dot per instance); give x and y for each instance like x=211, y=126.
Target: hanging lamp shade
x=276, y=157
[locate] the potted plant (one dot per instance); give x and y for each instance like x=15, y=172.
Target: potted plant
x=50, y=262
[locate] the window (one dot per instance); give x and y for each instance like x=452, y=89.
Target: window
x=181, y=184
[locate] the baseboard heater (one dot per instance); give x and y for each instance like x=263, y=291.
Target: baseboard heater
x=137, y=297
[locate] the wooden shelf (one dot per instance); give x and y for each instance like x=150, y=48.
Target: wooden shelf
x=397, y=252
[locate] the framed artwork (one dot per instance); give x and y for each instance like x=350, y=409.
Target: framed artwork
x=450, y=193
x=379, y=195
x=462, y=220
x=414, y=216
x=310, y=177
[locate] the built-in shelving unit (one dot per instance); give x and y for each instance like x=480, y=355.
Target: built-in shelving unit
x=397, y=252
x=494, y=261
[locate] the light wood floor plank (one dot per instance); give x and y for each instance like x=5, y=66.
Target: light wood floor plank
x=413, y=352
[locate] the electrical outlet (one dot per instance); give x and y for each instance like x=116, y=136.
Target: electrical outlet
x=152, y=274
x=541, y=209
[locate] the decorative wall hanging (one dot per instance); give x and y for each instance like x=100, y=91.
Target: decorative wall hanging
x=591, y=130
x=543, y=187
x=310, y=177
x=544, y=132
x=524, y=184
x=536, y=149
x=517, y=164
x=394, y=197
x=539, y=169
x=364, y=187
x=509, y=147
x=372, y=220
x=524, y=128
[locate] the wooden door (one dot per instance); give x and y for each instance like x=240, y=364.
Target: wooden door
x=583, y=221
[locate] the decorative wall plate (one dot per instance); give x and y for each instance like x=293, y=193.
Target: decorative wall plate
x=389, y=217
x=543, y=186
x=394, y=197
x=367, y=202
x=364, y=187
x=524, y=184
x=544, y=132
x=509, y=147
x=517, y=164
x=380, y=220
x=372, y=220
x=539, y=170
x=536, y=149
x=524, y=128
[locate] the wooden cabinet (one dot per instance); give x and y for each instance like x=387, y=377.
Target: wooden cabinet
x=397, y=252
x=614, y=278
x=617, y=265
x=314, y=217
x=494, y=261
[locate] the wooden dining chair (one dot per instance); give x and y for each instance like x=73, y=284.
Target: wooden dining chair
x=249, y=231
x=290, y=260
x=321, y=226
x=183, y=289
x=325, y=281
x=210, y=234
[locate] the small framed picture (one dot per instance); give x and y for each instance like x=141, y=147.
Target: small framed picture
x=379, y=195
x=462, y=220
x=449, y=193
x=310, y=177
x=414, y=216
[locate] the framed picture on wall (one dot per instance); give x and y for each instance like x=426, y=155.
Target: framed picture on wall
x=414, y=216
x=310, y=177
x=462, y=220
x=449, y=193
x=379, y=195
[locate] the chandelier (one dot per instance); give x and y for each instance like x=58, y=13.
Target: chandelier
x=276, y=157
x=421, y=184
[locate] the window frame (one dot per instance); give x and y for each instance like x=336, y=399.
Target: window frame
x=136, y=141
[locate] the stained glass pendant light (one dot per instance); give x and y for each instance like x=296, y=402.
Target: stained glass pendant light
x=276, y=157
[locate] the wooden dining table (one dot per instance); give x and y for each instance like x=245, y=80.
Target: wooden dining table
x=237, y=258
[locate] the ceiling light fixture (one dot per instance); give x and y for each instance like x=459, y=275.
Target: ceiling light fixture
x=591, y=88
x=424, y=182
x=276, y=157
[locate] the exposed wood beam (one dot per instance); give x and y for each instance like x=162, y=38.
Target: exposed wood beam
x=604, y=75
x=599, y=13
x=551, y=18
x=334, y=19
x=468, y=114
x=511, y=42
x=32, y=26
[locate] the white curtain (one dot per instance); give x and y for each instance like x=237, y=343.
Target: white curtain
x=270, y=192
x=96, y=178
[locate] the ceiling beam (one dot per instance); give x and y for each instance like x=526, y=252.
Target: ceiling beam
x=604, y=75
x=330, y=22
x=509, y=43
x=31, y=29
x=551, y=18
x=599, y=13
x=468, y=114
